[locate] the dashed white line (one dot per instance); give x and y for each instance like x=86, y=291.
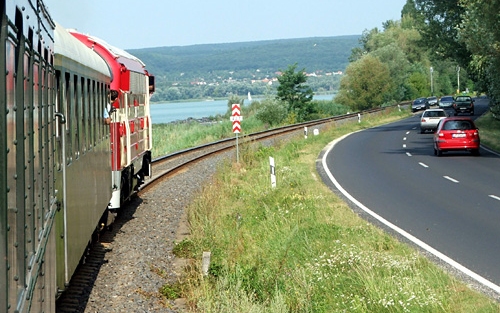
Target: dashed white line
x=495, y=197
x=404, y=138
x=451, y=179
x=423, y=164
x=407, y=132
x=404, y=146
x=408, y=153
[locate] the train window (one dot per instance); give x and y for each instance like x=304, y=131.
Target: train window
x=77, y=104
x=69, y=120
x=151, y=84
x=91, y=114
x=83, y=132
x=59, y=125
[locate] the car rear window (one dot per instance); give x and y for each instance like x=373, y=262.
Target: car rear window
x=447, y=99
x=463, y=98
x=458, y=125
x=434, y=114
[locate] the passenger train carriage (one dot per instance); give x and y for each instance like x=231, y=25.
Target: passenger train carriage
x=61, y=167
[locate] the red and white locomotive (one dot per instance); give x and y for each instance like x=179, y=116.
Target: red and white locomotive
x=130, y=89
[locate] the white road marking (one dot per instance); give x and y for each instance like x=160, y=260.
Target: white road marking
x=451, y=179
x=423, y=164
x=408, y=153
x=402, y=232
x=407, y=132
x=495, y=197
x=404, y=138
x=404, y=145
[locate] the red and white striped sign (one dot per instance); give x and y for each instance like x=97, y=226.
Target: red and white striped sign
x=236, y=118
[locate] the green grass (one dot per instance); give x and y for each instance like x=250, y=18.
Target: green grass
x=300, y=248
x=489, y=131
x=168, y=138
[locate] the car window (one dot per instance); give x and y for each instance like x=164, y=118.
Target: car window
x=447, y=99
x=434, y=114
x=458, y=125
x=463, y=98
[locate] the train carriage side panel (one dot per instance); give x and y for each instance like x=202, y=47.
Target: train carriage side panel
x=84, y=168
x=27, y=197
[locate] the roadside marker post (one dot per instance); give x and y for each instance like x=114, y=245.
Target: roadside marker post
x=236, y=118
x=273, y=172
x=305, y=132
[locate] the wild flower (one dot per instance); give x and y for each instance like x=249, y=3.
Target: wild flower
x=380, y=280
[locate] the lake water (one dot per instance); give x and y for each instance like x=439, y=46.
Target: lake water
x=170, y=111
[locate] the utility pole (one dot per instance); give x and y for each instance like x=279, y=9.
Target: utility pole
x=432, y=85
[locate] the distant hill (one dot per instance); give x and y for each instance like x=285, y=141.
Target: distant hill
x=325, y=54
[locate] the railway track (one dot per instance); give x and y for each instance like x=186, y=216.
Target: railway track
x=76, y=298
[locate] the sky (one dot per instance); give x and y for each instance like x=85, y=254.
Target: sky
x=136, y=24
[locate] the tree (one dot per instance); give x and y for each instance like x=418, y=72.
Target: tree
x=366, y=84
x=479, y=31
x=295, y=93
x=440, y=28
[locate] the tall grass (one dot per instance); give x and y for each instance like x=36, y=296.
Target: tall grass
x=489, y=131
x=171, y=137
x=300, y=248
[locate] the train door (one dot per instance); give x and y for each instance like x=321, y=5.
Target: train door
x=61, y=179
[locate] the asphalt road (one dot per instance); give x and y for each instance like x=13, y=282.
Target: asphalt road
x=447, y=205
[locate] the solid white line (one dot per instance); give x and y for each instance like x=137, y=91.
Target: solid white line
x=451, y=179
x=423, y=164
x=410, y=237
x=495, y=197
x=408, y=153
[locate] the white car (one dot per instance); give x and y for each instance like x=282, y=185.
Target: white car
x=430, y=119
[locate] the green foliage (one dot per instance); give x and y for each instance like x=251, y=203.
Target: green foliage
x=295, y=93
x=366, y=85
x=272, y=112
x=184, y=249
x=171, y=291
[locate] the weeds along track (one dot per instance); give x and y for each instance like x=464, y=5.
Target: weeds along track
x=126, y=264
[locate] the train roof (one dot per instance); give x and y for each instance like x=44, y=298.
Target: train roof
x=72, y=49
x=121, y=56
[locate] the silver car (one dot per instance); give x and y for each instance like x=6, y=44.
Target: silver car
x=432, y=100
x=446, y=102
x=430, y=119
x=419, y=104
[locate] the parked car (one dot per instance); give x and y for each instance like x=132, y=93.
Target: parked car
x=430, y=119
x=456, y=133
x=464, y=104
x=432, y=100
x=446, y=102
x=419, y=104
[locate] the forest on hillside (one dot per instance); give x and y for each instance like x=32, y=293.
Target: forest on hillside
x=223, y=70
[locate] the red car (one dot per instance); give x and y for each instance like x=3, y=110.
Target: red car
x=456, y=133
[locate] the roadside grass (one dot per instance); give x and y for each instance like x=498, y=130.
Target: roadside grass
x=489, y=131
x=300, y=248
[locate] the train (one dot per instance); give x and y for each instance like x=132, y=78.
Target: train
x=75, y=140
